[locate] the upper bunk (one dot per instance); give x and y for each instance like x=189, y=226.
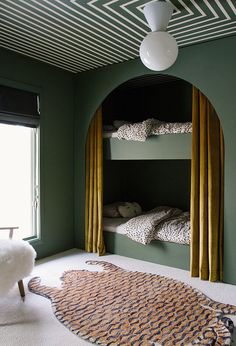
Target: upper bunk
x=162, y=147
x=155, y=97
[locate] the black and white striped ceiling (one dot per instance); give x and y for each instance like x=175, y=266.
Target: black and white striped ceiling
x=81, y=35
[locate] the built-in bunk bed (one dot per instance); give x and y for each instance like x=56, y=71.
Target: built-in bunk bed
x=148, y=173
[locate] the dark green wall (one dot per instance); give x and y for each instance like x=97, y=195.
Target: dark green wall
x=140, y=103
x=210, y=67
x=56, y=89
x=151, y=183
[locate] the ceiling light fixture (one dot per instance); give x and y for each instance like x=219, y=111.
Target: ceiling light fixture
x=158, y=50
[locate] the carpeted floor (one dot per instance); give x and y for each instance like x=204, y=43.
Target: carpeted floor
x=33, y=323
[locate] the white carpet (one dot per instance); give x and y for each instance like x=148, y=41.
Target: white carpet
x=32, y=323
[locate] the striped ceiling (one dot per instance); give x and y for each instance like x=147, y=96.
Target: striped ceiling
x=81, y=35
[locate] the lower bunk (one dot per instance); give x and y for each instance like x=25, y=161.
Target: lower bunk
x=160, y=235
x=161, y=252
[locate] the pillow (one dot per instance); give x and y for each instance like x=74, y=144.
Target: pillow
x=111, y=210
x=137, y=208
x=119, y=123
x=122, y=209
x=126, y=210
x=109, y=128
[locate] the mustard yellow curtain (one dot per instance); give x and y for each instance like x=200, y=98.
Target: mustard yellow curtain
x=207, y=189
x=94, y=241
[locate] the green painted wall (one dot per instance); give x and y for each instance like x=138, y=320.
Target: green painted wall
x=149, y=182
x=139, y=103
x=57, y=145
x=210, y=67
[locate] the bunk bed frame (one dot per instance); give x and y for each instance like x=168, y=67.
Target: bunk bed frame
x=161, y=252
x=127, y=101
x=167, y=147
x=162, y=147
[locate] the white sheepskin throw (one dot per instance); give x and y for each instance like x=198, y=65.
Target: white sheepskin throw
x=16, y=262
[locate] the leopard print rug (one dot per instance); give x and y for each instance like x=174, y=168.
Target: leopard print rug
x=116, y=307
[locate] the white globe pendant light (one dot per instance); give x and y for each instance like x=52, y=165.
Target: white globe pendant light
x=158, y=50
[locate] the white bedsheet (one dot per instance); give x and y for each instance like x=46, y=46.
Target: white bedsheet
x=115, y=224
x=109, y=134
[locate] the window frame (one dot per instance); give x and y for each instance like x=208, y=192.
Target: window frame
x=36, y=238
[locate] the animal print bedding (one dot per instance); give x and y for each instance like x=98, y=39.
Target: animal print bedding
x=162, y=128
x=175, y=229
x=136, y=131
x=143, y=227
x=140, y=131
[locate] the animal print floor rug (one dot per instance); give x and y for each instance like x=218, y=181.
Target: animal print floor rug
x=116, y=307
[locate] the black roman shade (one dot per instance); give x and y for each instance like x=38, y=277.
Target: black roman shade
x=19, y=107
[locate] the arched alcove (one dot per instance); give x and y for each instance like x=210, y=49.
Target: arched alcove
x=148, y=178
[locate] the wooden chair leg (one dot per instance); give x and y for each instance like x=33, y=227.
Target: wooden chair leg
x=21, y=288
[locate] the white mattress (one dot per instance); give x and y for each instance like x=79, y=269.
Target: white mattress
x=109, y=134
x=114, y=224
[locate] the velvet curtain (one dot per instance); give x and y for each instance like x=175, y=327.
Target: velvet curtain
x=207, y=184
x=94, y=241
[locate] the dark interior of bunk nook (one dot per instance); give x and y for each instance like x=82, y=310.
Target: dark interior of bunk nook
x=155, y=172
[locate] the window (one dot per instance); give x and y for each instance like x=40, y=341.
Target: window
x=19, y=106
x=19, y=162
